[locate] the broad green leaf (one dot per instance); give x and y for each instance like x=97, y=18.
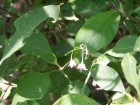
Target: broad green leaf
x=75, y=87
x=66, y=10
x=75, y=74
x=129, y=69
x=45, y=100
x=22, y=103
x=33, y=85
x=120, y=98
x=123, y=46
x=59, y=82
x=137, y=45
x=37, y=45
x=33, y=103
x=128, y=6
x=25, y=26
x=9, y=66
x=77, y=25
x=103, y=60
x=84, y=7
x=130, y=25
x=107, y=78
x=75, y=99
x=61, y=48
x=99, y=30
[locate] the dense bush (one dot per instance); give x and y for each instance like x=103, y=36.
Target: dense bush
x=70, y=52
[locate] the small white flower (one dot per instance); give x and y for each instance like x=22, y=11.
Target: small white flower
x=81, y=66
x=72, y=63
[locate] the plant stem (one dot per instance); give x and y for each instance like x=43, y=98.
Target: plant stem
x=61, y=70
x=83, y=88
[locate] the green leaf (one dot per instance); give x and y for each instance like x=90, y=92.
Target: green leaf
x=98, y=31
x=77, y=25
x=63, y=47
x=25, y=25
x=75, y=87
x=123, y=46
x=121, y=98
x=33, y=85
x=18, y=99
x=75, y=99
x=128, y=6
x=22, y=103
x=75, y=74
x=84, y=7
x=37, y=45
x=33, y=103
x=107, y=78
x=2, y=103
x=9, y=66
x=130, y=72
x=137, y=45
x=45, y=100
x=59, y=82
x=103, y=59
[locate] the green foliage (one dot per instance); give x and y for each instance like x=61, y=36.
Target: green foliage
x=107, y=78
x=74, y=52
x=130, y=72
x=76, y=99
x=34, y=47
x=25, y=26
x=123, y=46
x=137, y=45
x=98, y=31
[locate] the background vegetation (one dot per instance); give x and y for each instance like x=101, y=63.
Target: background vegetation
x=69, y=52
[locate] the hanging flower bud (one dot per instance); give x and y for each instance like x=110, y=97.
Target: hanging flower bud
x=81, y=66
x=72, y=64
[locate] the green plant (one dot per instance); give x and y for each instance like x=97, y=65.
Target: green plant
x=75, y=53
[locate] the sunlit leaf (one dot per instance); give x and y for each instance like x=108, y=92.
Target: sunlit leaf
x=103, y=60
x=75, y=99
x=137, y=45
x=107, y=78
x=98, y=31
x=130, y=72
x=121, y=98
x=123, y=46
x=25, y=26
